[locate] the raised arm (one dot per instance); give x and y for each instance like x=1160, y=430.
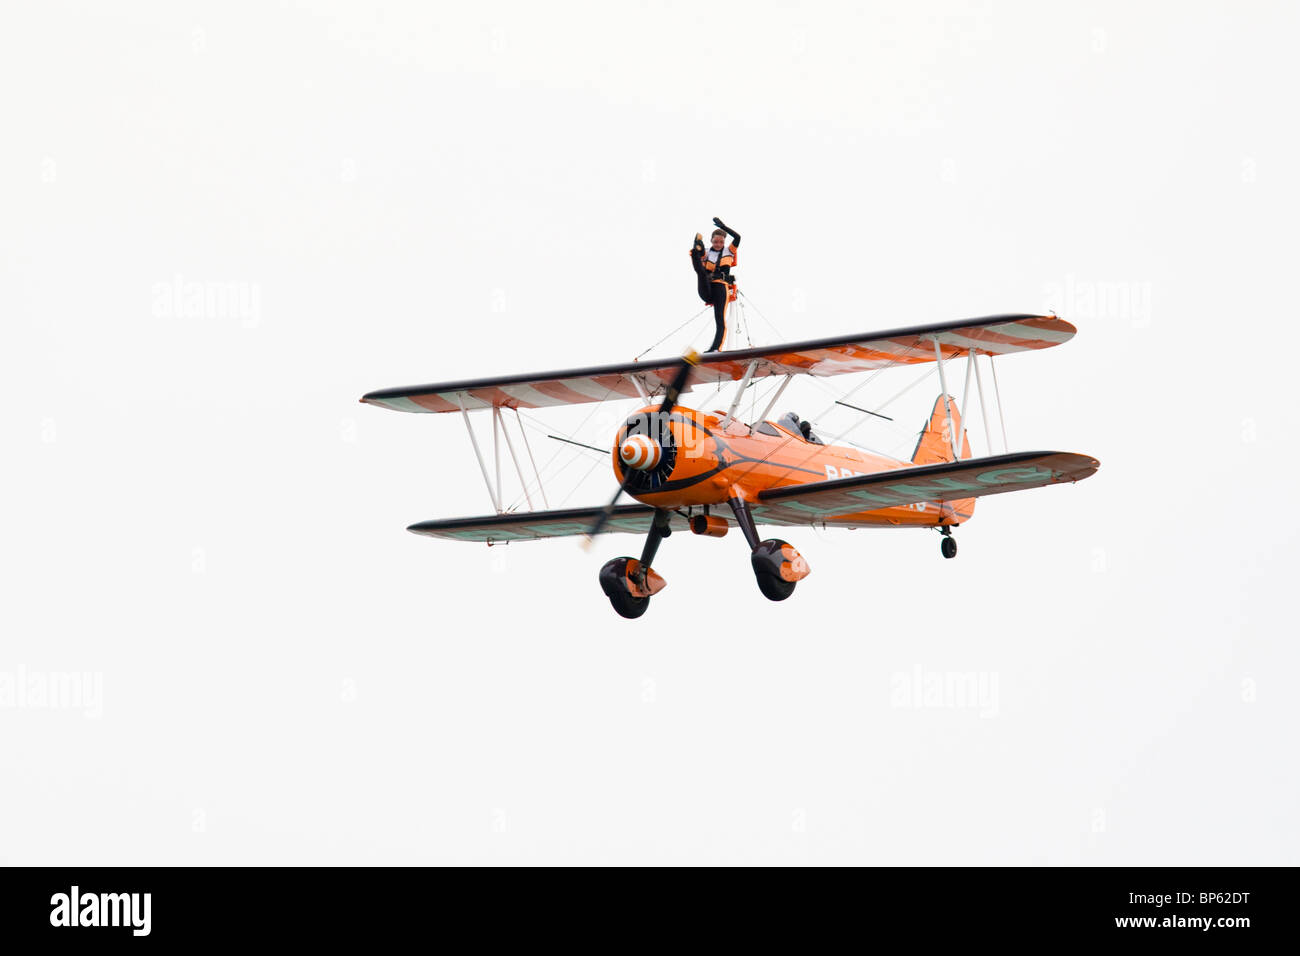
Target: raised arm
x=735, y=236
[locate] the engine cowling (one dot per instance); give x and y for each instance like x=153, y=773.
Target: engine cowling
x=654, y=452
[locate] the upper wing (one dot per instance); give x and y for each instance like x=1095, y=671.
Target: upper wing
x=542, y=524
x=826, y=502
x=997, y=334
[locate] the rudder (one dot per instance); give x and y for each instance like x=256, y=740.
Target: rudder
x=934, y=445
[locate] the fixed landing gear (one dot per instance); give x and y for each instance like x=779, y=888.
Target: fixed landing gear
x=630, y=583
x=948, y=546
x=778, y=567
x=619, y=581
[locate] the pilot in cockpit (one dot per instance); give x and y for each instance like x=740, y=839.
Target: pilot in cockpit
x=792, y=422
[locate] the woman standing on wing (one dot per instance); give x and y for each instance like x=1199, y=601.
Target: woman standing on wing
x=713, y=275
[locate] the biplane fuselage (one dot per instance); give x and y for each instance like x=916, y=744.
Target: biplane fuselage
x=713, y=463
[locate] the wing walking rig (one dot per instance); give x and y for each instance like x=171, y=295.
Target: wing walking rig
x=709, y=472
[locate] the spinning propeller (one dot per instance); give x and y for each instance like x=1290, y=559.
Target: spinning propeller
x=640, y=452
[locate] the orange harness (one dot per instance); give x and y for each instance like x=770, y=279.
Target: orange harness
x=726, y=262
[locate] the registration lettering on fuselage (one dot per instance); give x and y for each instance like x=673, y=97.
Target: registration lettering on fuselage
x=832, y=473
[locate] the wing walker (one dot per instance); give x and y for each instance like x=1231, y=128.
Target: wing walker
x=709, y=472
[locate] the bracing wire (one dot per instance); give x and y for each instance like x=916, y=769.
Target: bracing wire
x=770, y=323
x=545, y=474
x=855, y=425
x=673, y=332
x=828, y=389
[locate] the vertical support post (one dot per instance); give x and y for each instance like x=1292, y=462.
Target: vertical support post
x=740, y=393
x=998, y=395
x=533, y=461
x=482, y=466
x=984, y=409
x=496, y=446
x=947, y=405
x=640, y=387
x=518, y=468
x=965, y=393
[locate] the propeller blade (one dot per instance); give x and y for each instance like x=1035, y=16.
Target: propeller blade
x=609, y=510
x=689, y=361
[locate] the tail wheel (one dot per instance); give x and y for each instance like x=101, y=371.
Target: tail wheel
x=949, y=547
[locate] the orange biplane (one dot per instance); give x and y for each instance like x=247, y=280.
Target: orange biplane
x=708, y=471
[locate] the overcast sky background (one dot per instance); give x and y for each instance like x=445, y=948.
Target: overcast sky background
x=199, y=516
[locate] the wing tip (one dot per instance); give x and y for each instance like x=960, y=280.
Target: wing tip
x=1063, y=326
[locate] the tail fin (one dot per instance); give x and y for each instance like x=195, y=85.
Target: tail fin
x=935, y=445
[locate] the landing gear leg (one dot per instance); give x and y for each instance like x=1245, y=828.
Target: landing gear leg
x=746, y=521
x=629, y=583
x=778, y=567
x=948, y=546
x=659, y=530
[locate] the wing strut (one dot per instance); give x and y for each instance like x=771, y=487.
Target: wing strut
x=482, y=465
x=984, y=409
x=740, y=393
x=501, y=429
x=496, y=410
x=496, y=451
x=965, y=392
x=772, y=404
x=947, y=403
x=541, y=488
x=998, y=395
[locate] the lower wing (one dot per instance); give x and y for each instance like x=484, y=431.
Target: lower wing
x=818, y=502
x=529, y=525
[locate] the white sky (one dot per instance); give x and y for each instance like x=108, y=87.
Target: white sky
x=200, y=516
